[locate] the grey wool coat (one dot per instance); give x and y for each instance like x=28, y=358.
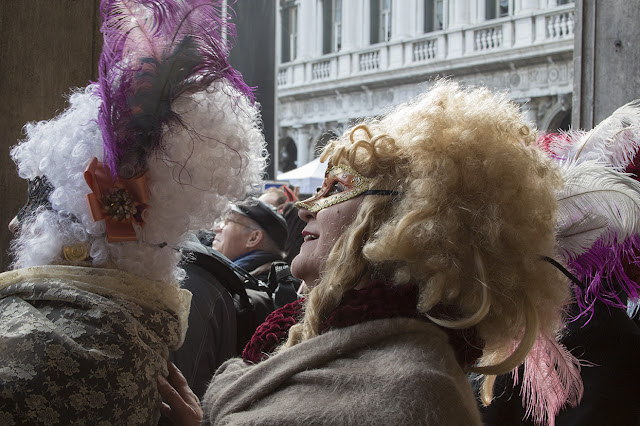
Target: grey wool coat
x=385, y=372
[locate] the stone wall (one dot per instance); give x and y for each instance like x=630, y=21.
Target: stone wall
x=46, y=48
x=607, y=59
x=254, y=55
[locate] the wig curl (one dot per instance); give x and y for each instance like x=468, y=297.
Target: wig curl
x=211, y=157
x=474, y=216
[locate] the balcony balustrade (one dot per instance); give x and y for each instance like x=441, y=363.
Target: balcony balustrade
x=369, y=61
x=499, y=35
x=424, y=50
x=559, y=25
x=488, y=39
x=321, y=70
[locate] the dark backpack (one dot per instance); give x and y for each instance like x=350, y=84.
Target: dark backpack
x=252, y=299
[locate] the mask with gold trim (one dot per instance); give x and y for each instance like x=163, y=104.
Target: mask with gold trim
x=341, y=183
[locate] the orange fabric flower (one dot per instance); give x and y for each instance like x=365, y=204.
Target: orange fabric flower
x=119, y=203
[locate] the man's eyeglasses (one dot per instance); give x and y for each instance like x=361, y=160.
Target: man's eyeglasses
x=226, y=220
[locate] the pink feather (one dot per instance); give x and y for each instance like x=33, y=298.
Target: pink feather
x=551, y=380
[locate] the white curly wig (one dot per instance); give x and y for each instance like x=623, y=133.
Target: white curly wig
x=210, y=159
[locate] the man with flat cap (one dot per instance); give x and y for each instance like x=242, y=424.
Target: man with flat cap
x=252, y=235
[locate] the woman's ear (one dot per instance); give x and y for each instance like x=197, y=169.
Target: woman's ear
x=255, y=238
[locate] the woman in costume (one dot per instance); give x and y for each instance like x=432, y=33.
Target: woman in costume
x=426, y=252
x=158, y=147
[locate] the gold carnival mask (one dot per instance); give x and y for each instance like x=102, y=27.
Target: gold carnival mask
x=341, y=183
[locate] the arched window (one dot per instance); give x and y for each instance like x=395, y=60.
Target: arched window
x=561, y=121
x=287, y=155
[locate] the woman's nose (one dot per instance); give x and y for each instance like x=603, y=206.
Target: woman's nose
x=305, y=214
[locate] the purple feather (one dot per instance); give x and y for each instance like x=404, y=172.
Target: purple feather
x=606, y=271
x=153, y=52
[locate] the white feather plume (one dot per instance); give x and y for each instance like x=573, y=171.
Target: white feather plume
x=615, y=141
x=596, y=202
x=633, y=307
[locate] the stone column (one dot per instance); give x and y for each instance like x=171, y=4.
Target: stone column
x=403, y=19
x=418, y=19
x=301, y=139
x=459, y=13
x=606, y=59
x=479, y=14
x=459, y=16
x=527, y=5
x=524, y=22
x=351, y=15
x=366, y=20
x=307, y=29
x=529, y=110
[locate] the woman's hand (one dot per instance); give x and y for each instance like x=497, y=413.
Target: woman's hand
x=179, y=404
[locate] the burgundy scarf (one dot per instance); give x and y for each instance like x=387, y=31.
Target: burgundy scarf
x=378, y=300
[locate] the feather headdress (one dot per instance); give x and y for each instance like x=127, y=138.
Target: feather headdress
x=550, y=380
x=168, y=136
x=613, y=142
x=155, y=51
x=598, y=233
x=599, y=208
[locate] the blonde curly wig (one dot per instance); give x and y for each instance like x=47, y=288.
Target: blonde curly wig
x=475, y=214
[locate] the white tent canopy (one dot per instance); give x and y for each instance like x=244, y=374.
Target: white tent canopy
x=308, y=177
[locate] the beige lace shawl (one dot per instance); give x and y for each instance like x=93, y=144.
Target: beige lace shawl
x=85, y=345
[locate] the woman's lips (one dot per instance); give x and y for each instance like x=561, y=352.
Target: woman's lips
x=308, y=236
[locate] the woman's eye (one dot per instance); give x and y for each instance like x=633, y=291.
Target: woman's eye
x=336, y=188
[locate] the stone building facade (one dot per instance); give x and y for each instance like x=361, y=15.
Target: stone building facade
x=340, y=60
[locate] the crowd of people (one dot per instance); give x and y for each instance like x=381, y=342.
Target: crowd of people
x=455, y=267
x=247, y=241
